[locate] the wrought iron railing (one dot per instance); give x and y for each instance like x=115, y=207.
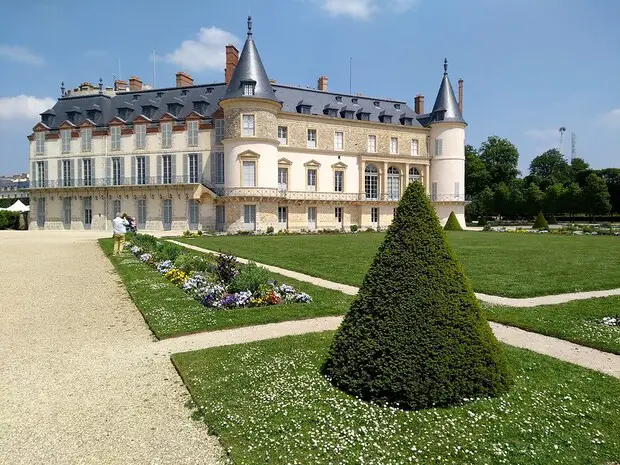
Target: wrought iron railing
x=117, y=181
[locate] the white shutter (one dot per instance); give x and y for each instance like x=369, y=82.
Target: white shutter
x=249, y=174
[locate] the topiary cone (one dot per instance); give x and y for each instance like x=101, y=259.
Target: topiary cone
x=415, y=337
x=540, y=222
x=453, y=223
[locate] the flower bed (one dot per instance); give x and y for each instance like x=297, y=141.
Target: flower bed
x=225, y=284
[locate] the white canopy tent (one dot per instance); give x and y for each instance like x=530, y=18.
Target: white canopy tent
x=18, y=206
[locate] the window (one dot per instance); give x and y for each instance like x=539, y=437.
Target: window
x=434, y=191
x=67, y=180
x=372, y=143
x=338, y=215
x=414, y=174
x=219, y=131
x=393, y=187
x=40, y=143
x=220, y=217
x=311, y=184
x=116, y=207
x=374, y=217
x=338, y=181
x=140, y=136
x=193, y=214
x=312, y=138
x=87, y=171
x=86, y=139
x=141, y=219
x=283, y=217
x=41, y=213
x=166, y=135
x=438, y=147
x=41, y=175
x=248, y=88
x=394, y=145
x=117, y=171
x=167, y=214
x=217, y=167
x=371, y=182
x=192, y=133
x=66, y=210
x=283, y=135
x=115, y=136
x=457, y=190
x=65, y=135
x=194, y=168
x=248, y=125
x=338, y=141
x=249, y=174
x=414, y=147
x=311, y=218
x=282, y=178
x=141, y=170
x=166, y=162
x=88, y=212
x=249, y=216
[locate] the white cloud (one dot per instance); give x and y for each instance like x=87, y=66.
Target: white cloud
x=363, y=9
x=611, y=118
x=24, y=107
x=206, y=52
x=20, y=55
x=543, y=135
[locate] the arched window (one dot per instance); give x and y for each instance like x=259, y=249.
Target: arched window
x=371, y=182
x=414, y=174
x=393, y=183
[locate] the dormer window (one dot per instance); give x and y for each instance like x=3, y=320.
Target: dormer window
x=47, y=117
x=209, y=90
x=347, y=114
x=387, y=119
x=72, y=115
x=303, y=108
x=149, y=111
x=200, y=106
x=439, y=116
x=354, y=101
x=249, y=88
x=136, y=97
x=338, y=98
x=331, y=112
x=160, y=94
x=363, y=116
x=397, y=106
x=174, y=109
x=377, y=103
x=406, y=121
x=124, y=113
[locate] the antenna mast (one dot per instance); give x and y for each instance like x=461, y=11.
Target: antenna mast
x=573, y=146
x=562, y=130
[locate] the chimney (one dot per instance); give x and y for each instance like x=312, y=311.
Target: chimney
x=419, y=104
x=461, y=96
x=184, y=79
x=135, y=83
x=232, y=58
x=120, y=85
x=322, y=84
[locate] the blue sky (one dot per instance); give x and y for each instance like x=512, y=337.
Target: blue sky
x=530, y=66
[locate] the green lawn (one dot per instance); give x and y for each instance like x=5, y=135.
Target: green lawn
x=577, y=321
x=169, y=311
x=268, y=404
x=506, y=264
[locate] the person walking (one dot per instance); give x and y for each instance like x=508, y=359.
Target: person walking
x=119, y=225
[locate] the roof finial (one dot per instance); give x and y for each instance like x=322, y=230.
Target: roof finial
x=249, y=26
x=445, y=66
x=100, y=85
x=62, y=88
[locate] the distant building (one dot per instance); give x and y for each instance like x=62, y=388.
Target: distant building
x=243, y=154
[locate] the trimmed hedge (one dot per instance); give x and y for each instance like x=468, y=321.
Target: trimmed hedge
x=453, y=223
x=415, y=337
x=540, y=222
x=9, y=220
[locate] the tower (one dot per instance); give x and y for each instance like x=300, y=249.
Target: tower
x=447, y=150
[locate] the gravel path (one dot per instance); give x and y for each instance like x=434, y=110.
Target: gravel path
x=79, y=383
x=491, y=299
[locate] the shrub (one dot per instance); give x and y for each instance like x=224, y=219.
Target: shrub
x=354, y=227
x=540, y=222
x=168, y=251
x=188, y=263
x=486, y=227
x=270, y=230
x=482, y=221
x=415, y=337
x=9, y=220
x=227, y=267
x=146, y=242
x=251, y=278
x=453, y=223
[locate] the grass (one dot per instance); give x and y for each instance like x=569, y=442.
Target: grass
x=268, y=404
x=577, y=321
x=506, y=264
x=169, y=311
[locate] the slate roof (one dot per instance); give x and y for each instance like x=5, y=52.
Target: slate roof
x=446, y=106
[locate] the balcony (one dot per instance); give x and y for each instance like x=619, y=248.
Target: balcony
x=120, y=182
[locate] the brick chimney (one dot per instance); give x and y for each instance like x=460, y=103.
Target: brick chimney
x=322, y=84
x=419, y=104
x=135, y=83
x=232, y=58
x=461, y=96
x=184, y=79
x=120, y=85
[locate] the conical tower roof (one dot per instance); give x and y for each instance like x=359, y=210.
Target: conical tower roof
x=250, y=70
x=446, y=108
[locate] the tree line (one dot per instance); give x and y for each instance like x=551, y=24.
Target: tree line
x=553, y=185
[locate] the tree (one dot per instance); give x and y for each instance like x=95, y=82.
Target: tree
x=533, y=200
x=476, y=173
x=415, y=336
x=517, y=199
x=500, y=158
x=551, y=167
x=612, y=178
x=571, y=199
x=501, y=200
x=578, y=165
x=487, y=204
x=453, y=223
x=553, y=200
x=596, y=196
